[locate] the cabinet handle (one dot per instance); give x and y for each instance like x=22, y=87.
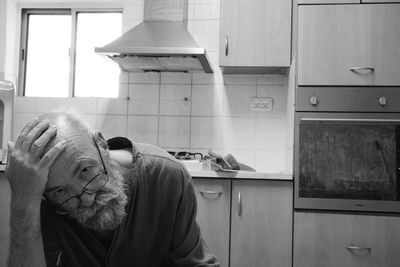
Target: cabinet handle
x=358, y=249
x=226, y=45
x=217, y=194
x=314, y=100
x=361, y=70
x=239, y=204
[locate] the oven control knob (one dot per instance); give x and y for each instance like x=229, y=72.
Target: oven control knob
x=382, y=101
x=314, y=100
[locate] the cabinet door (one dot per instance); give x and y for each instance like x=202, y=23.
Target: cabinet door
x=261, y=230
x=349, y=45
x=255, y=33
x=213, y=210
x=5, y=195
x=313, y=2
x=380, y=1
x=332, y=240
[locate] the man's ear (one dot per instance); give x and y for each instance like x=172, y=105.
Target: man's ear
x=101, y=141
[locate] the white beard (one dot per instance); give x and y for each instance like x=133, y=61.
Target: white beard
x=108, y=208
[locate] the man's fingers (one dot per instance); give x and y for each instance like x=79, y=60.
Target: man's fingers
x=28, y=127
x=33, y=135
x=52, y=154
x=39, y=145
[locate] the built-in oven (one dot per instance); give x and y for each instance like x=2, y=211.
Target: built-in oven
x=347, y=158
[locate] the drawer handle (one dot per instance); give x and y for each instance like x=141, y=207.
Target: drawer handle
x=358, y=249
x=362, y=70
x=217, y=194
x=239, y=205
x=226, y=45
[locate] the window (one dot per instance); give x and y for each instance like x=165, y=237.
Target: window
x=57, y=55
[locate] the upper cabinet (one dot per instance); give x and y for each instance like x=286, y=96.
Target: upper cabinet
x=312, y=2
x=380, y=1
x=355, y=45
x=255, y=34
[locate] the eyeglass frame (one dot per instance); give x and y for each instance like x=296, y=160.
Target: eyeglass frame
x=84, y=189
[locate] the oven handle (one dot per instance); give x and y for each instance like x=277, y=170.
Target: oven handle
x=350, y=120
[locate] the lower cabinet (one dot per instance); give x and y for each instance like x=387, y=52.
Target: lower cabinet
x=261, y=233
x=213, y=209
x=332, y=240
x=246, y=222
x=5, y=196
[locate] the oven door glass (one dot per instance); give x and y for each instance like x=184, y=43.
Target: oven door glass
x=349, y=159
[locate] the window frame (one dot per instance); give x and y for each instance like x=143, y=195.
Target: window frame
x=25, y=12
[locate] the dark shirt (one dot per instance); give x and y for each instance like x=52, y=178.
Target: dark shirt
x=159, y=230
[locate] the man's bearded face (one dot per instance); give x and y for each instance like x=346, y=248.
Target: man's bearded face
x=108, y=208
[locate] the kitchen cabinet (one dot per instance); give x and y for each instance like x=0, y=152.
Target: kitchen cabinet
x=255, y=221
x=5, y=195
x=345, y=240
x=355, y=45
x=380, y=1
x=261, y=232
x=213, y=213
x=255, y=34
x=312, y=2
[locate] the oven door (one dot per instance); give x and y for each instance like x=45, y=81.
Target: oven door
x=347, y=161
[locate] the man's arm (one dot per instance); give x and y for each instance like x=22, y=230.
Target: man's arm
x=26, y=245
x=189, y=249
x=27, y=172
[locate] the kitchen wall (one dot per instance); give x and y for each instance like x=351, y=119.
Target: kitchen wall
x=3, y=17
x=181, y=111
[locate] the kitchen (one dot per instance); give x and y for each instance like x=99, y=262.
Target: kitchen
x=248, y=219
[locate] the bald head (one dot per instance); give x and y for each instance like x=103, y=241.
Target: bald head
x=67, y=125
x=69, y=129
x=78, y=137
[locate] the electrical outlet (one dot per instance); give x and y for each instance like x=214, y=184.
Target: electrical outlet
x=261, y=104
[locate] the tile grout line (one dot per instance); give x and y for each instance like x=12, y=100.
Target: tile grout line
x=190, y=111
x=159, y=110
x=127, y=109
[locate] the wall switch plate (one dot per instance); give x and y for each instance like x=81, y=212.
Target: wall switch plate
x=261, y=104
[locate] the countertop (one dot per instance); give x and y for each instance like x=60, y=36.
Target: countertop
x=227, y=174
x=240, y=175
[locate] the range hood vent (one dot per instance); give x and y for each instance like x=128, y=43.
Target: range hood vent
x=160, y=43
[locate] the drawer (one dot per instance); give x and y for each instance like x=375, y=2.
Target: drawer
x=346, y=240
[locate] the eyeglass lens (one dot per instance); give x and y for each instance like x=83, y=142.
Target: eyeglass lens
x=94, y=185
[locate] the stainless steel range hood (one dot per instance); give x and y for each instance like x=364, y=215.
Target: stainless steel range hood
x=160, y=43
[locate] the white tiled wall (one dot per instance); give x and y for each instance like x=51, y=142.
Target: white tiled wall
x=216, y=116
x=183, y=111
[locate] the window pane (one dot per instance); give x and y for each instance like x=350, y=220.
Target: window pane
x=95, y=75
x=47, y=65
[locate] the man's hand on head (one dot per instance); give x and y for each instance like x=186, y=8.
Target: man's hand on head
x=28, y=169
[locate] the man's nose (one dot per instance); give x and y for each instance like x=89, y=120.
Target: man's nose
x=87, y=200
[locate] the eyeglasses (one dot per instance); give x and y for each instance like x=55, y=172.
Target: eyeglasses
x=94, y=185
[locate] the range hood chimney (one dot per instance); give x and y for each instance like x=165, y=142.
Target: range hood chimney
x=160, y=43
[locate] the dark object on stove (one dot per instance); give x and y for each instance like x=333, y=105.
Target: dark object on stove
x=228, y=162
x=220, y=160
x=184, y=155
x=232, y=161
x=119, y=143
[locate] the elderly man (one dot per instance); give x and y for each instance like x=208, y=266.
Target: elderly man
x=75, y=202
